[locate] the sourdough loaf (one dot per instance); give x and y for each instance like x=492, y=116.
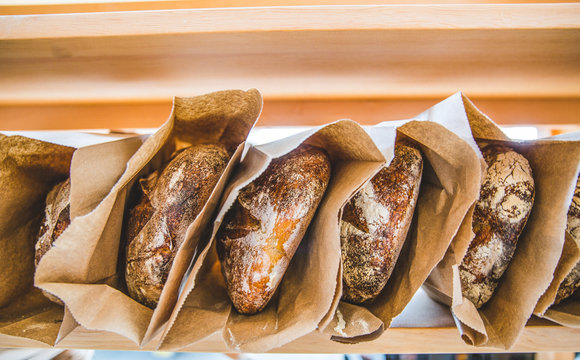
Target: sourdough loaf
x=56, y=220
x=505, y=202
x=572, y=281
x=374, y=225
x=165, y=204
x=262, y=230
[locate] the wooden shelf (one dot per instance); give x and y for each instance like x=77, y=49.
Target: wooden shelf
x=19, y=7
x=424, y=327
x=317, y=52
x=313, y=64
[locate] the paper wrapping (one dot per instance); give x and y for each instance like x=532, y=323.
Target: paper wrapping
x=29, y=169
x=309, y=285
x=84, y=269
x=566, y=313
x=500, y=321
x=451, y=178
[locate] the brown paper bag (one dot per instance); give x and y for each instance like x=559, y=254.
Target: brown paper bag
x=309, y=285
x=568, y=311
x=450, y=185
x=29, y=169
x=86, y=274
x=499, y=322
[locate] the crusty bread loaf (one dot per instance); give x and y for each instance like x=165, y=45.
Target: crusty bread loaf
x=505, y=202
x=374, y=225
x=167, y=202
x=56, y=220
x=572, y=281
x=261, y=232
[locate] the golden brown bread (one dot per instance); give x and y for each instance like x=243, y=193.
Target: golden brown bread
x=167, y=202
x=374, y=225
x=572, y=281
x=505, y=202
x=56, y=220
x=262, y=230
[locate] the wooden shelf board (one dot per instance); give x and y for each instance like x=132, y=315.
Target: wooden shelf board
x=357, y=52
x=17, y=7
x=293, y=18
x=424, y=327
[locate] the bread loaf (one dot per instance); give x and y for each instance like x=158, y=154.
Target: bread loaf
x=56, y=220
x=167, y=202
x=505, y=202
x=262, y=230
x=374, y=225
x=572, y=281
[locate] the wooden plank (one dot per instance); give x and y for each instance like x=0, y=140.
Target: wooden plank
x=293, y=52
x=282, y=112
x=395, y=340
x=424, y=327
x=293, y=18
x=346, y=64
x=357, y=65
x=17, y=7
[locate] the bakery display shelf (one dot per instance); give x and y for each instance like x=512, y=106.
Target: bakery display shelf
x=313, y=64
x=424, y=327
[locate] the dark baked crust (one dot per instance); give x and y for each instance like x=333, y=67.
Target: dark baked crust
x=572, y=281
x=56, y=220
x=167, y=203
x=505, y=202
x=262, y=230
x=375, y=223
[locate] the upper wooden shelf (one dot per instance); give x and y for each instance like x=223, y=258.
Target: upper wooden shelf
x=27, y=7
x=375, y=62
x=362, y=51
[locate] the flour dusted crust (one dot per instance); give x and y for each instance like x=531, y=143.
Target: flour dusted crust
x=261, y=232
x=374, y=225
x=505, y=202
x=167, y=202
x=572, y=281
x=56, y=220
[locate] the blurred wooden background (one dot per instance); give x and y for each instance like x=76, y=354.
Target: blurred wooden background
x=73, y=64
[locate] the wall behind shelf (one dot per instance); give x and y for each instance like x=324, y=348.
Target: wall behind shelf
x=277, y=112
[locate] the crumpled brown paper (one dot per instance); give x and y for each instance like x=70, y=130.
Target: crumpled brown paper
x=566, y=313
x=450, y=184
x=499, y=322
x=29, y=169
x=83, y=269
x=308, y=287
